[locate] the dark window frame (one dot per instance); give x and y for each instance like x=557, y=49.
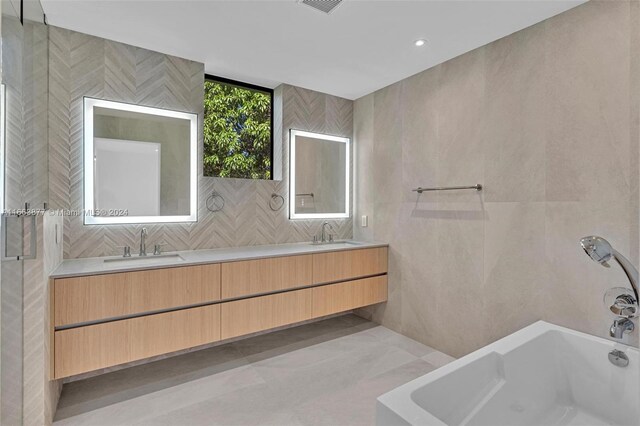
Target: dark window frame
x=223, y=80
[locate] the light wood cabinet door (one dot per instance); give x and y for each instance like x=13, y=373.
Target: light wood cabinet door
x=82, y=349
x=333, y=298
x=250, y=277
x=99, y=297
x=247, y=316
x=346, y=265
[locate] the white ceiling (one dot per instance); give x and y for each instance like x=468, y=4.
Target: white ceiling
x=360, y=47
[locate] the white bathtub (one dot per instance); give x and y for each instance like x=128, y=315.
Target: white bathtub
x=540, y=375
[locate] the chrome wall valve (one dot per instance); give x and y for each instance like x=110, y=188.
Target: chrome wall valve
x=621, y=302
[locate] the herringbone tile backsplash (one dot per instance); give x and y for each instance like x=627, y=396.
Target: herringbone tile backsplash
x=83, y=65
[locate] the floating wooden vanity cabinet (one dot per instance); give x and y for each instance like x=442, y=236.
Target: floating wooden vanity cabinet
x=107, y=296
x=82, y=349
x=106, y=319
x=255, y=314
x=344, y=265
x=265, y=275
x=340, y=297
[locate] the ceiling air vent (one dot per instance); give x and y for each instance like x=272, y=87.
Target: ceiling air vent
x=325, y=6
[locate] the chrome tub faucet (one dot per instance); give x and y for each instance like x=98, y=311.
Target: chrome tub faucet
x=621, y=326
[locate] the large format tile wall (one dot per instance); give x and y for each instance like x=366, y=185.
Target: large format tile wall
x=83, y=65
x=547, y=120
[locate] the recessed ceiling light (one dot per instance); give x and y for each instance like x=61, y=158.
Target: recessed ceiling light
x=420, y=42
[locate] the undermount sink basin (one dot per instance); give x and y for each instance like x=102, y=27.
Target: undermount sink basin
x=345, y=243
x=144, y=260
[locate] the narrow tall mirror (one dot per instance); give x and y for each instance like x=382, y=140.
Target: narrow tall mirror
x=319, y=176
x=140, y=164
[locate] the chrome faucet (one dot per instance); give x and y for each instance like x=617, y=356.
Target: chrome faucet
x=143, y=242
x=602, y=252
x=621, y=326
x=323, y=235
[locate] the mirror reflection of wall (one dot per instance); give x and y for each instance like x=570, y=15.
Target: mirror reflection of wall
x=143, y=167
x=320, y=184
x=320, y=176
x=128, y=164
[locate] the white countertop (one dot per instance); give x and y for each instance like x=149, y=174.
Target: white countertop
x=97, y=265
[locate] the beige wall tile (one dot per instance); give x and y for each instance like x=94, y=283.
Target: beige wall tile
x=516, y=116
x=421, y=283
x=588, y=76
x=461, y=135
x=514, y=267
x=461, y=310
x=420, y=134
x=634, y=134
x=363, y=186
x=387, y=149
x=543, y=119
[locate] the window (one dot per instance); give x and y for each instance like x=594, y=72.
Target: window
x=238, y=129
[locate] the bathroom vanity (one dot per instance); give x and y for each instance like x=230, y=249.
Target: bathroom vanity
x=110, y=311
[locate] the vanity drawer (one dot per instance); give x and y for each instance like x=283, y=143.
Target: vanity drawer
x=247, y=316
x=98, y=297
x=249, y=277
x=345, y=265
x=334, y=298
x=88, y=348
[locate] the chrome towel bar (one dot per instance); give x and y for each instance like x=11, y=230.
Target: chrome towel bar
x=420, y=190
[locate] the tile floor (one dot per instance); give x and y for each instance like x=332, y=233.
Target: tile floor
x=324, y=373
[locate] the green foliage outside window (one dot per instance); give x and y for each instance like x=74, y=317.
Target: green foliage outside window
x=237, y=131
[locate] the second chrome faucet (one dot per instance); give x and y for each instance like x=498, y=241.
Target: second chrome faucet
x=143, y=242
x=323, y=234
x=157, y=249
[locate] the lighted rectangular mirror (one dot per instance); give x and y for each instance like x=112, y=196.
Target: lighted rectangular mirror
x=319, y=176
x=140, y=164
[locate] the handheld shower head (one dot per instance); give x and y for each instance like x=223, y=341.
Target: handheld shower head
x=601, y=251
x=598, y=249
